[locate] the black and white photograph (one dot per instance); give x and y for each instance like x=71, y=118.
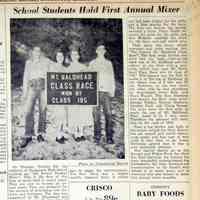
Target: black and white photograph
x=67, y=89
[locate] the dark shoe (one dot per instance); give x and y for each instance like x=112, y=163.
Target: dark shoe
x=78, y=139
x=120, y=155
x=110, y=141
x=83, y=138
x=40, y=138
x=25, y=142
x=61, y=140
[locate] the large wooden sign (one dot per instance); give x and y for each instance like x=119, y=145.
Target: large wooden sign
x=72, y=88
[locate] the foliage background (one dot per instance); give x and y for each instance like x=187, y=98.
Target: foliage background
x=52, y=34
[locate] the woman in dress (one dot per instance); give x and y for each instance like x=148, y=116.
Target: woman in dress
x=80, y=116
x=59, y=111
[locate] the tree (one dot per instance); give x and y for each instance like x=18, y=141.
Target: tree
x=52, y=34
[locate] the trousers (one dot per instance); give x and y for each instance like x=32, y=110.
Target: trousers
x=104, y=101
x=36, y=92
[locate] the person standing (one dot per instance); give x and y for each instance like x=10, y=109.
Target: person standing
x=106, y=90
x=34, y=89
x=59, y=111
x=79, y=116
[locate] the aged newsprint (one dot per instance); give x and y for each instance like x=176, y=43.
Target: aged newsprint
x=99, y=100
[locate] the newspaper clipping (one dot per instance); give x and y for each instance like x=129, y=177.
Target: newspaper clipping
x=95, y=100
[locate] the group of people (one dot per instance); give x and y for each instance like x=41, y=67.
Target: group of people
x=75, y=118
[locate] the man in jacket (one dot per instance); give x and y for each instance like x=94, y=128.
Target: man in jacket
x=106, y=90
x=34, y=81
